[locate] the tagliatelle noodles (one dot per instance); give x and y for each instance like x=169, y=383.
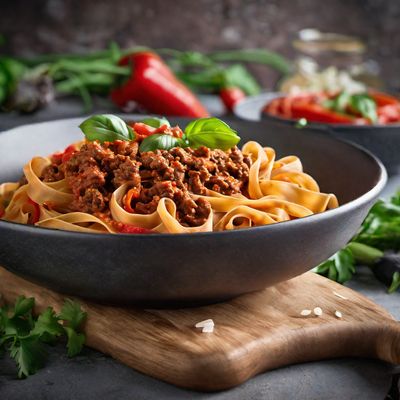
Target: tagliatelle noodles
x=278, y=190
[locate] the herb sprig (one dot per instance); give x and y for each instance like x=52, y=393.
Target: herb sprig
x=361, y=103
x=209, y=132
x=379, y=233
x=24, y=336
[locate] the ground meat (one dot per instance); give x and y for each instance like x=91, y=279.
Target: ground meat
x=96, y=170
x=52, y=173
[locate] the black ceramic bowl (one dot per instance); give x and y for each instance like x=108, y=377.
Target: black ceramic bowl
x=382, y=140
x=188, y=269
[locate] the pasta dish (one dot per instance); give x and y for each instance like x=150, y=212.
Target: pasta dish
x=146, y=177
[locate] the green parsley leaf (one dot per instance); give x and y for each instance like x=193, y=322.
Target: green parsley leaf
x=212, y=133
x=395, y=285
x=365, y=105
x=155, y=122
x=106, y=128
x=29, y=356
x=72, y=313
x=75, y=341
x=23, y=306
x=340, y=267
x=381, y=227
x=23, y=335
x=159, y=141
x=47, y=326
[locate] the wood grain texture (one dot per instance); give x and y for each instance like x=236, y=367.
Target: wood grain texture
x=253, y=333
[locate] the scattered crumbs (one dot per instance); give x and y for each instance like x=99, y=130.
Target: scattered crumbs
x=305, y=313
x=208, y=329
x=318, y=311
x=203, y=324
x=339, y=295
x=338, y=314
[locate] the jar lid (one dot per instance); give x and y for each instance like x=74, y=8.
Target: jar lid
x=312, y=41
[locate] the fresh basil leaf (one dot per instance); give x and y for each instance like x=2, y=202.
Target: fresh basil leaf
x=338, y=103
x=365, y=105
x=159, y=142
x=155, y=122
x=106, y=128
x=212, y=133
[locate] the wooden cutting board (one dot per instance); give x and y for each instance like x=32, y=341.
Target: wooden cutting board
x=253, y=333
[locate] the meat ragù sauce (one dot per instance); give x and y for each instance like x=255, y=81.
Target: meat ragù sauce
x=96, y=170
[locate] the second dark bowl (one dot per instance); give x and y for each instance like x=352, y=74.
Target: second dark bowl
x=188, y=269
x=382, y=140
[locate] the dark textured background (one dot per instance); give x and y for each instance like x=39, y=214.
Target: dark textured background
x=39, y=26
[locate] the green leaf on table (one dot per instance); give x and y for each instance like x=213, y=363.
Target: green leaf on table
x=212, y=133
x=381, y=227
x=340, y=267
x=23, y=306
x=395, y=285
x=159, y=141
x=73, y=314
x=28, y=354
x=47, y=326
x=75, y=341
x=106, y=128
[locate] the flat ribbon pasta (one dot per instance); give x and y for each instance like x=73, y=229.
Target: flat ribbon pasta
x=277, y=191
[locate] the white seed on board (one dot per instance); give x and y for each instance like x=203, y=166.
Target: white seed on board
x=208, y=329
x=338, y=314
x=318, y=311
x=305, y=313
x=203, y=324
x=340, y=296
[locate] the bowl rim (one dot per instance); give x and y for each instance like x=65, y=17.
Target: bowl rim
x=321, y=125
x=366, y=197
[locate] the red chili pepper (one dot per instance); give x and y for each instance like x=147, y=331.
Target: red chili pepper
x=125, y=228
x=34, y=214
x=65, y=155
x=230, y=96
x=154, y=86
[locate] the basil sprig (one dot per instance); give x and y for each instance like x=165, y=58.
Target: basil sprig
x=209, y=132
x=159, y=141
x=155, y=122
x=106, y=128
x=365, y=105
x=212, y=133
